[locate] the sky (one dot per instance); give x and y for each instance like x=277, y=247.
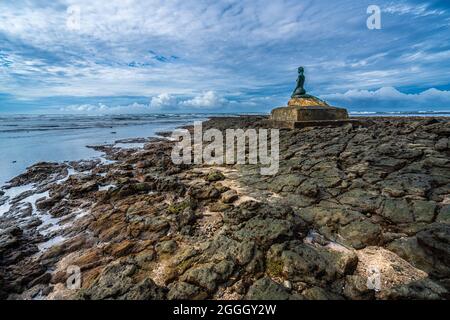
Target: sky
x=129, y=56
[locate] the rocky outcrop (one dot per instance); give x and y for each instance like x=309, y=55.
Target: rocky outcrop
x=348, y=204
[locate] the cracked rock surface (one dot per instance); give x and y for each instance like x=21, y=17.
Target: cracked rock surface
x=349, y=206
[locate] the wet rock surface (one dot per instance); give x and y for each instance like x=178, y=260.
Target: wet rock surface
x=354, y=212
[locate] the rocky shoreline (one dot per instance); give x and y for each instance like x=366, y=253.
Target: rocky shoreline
x=348, y=203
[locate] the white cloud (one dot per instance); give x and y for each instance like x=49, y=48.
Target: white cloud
x=422, y=10
x=389, y=97
x=391, y=93
x=208, y=99
x=163, y=100
x=242, y=49
x=85, y=108
x=103, y=108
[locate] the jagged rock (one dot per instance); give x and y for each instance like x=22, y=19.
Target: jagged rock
x=442, y=144
x=9, y=237
x=219, y=207
x=444, y=215
x=356, y=288
x=360, y=233
x=215, y=176
x=436, y=239
x=397, y=211
x=166, y=247
x=185, y=291
x=353, y=228
x=309, y=189
x=286, y=182
x=266, y=231
x=424, y=289
x=201, y=192
x=229, y=196
x=84, y=165
x=362, y=200
x=209, y=275
x=116, y=282
x=47, y=203
x=410, y=250
x=145, y=290
x=267, y=289
x=43, y=279
x=164, y=231
x=300, y=262
x=39, y=173
x=121, y=249
x=86, y=187
x=317, y=293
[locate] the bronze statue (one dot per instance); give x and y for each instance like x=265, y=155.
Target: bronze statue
x=299, y=90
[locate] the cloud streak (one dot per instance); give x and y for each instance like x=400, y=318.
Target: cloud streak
x=358, y=100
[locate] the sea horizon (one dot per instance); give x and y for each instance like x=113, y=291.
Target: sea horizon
x=32, y=138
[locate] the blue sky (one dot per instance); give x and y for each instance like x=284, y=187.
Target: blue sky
x=221, y=56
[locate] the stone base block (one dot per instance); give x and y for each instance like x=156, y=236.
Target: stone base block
x=317, y=123
x=308, y=113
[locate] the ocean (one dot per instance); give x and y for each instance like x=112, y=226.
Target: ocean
x=28, y=139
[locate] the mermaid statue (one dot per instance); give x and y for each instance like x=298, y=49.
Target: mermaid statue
x=299, y=90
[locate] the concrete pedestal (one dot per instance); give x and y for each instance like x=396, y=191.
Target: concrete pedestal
x=308, y=111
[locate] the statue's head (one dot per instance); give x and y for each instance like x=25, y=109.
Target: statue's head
x=301, y=70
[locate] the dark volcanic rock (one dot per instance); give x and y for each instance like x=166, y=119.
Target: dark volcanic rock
x=267, y=289
x=116, y=282
x=140, y=227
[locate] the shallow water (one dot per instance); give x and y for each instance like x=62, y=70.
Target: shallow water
x=27, y=139
x=11, y=194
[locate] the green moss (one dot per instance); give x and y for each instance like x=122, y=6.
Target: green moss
x=179, y=269
x=184, y=265
x=179, y=207
x=122, y=181
x=141, y=187
x=215, y=176
x=274, y=268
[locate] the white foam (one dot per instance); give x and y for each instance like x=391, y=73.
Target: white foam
x=70, y=171
x=312, y=239
x=106, y=161
x=49, y=224
x=38, y=296
x=334, y=246
x=130, y=145
x=50, y=243
x=107, y=187
x=11, y=193
x=81, y=214
x=33, y=198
